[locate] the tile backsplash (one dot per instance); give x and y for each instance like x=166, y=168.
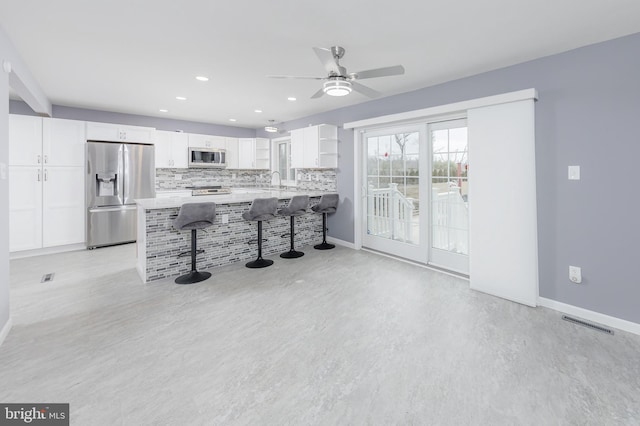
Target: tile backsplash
x=308, y=179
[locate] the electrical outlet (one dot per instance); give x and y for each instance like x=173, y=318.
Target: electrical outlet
x=308, y=177
x=234, y=176
x=178, y=177
x=575, y=274
x=318, y=177
x=225, y=218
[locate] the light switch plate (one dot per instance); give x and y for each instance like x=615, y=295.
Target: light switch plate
x=178, y=177
x=574, y=172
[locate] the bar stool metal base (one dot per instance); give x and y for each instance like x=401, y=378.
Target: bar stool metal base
x=193, y=277
x=291, y=254
x=259, y=263
x=324, y=246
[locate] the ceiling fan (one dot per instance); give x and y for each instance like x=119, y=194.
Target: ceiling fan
x=341, y=83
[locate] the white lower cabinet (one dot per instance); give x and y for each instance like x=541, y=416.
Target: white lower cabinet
x=46, y=207
x=63, y=209
x=25, y=208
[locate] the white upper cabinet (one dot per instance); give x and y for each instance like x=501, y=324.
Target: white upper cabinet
x=207, y=141
x=172, y=150
x=232, y=153
x=25, y=140
x=119, y=133
x=63, y=142
x=315, y=147
x=253, y=154
x=246, y=153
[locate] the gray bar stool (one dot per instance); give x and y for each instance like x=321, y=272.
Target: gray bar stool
x=261, y=209
x=328, y=204
x=297, y=207
x=194, y=216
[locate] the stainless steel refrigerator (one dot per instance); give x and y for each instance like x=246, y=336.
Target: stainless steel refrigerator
x=117, y=175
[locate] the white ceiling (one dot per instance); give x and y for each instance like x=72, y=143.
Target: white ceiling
x=137, y=56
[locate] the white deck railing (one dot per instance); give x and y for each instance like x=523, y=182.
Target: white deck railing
x=389, y=213
x=450, y=221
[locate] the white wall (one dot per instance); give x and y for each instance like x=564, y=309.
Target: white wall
x=27, y=87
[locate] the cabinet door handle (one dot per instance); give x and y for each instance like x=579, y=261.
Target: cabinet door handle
x=46, y=159
x=38, y=175
x=45, y=175
x=39, y=159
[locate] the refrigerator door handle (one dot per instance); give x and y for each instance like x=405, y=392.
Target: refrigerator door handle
x=112, y=209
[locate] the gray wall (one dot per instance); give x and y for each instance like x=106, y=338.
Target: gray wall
x=19, y=107
x=589, y=101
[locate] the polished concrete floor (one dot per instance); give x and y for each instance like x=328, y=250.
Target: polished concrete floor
x=335, y=337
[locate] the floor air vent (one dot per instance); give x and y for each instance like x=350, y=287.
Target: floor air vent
x=587, y=324
x=47, y=278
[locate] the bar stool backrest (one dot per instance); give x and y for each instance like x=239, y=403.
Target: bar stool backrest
x=195, y=216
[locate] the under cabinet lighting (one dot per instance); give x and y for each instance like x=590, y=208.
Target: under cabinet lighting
x=202, y=78
x=164, y=110
x=232, y=119
x=291, y=98
x=181, y=98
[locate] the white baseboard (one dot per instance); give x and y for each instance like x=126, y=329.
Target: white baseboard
x=48, y=250
x=586, y=314
x=341, y=243
x=5, y=331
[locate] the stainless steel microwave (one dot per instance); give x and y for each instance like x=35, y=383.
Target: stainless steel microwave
x=207, y=157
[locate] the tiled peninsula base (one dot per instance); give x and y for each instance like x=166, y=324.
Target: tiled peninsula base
x=223, y=243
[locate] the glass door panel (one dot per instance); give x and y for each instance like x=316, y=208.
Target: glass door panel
x=392, y=207
x=449, y=195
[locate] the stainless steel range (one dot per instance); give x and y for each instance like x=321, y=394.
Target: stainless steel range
x=208, y=190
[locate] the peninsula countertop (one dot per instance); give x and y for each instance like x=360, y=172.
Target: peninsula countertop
x=237, y=195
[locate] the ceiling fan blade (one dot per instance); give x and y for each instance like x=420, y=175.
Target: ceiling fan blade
x=367, y=91
x=296, y=77
x=326, y=57
x=318, y=94
x=379, y=72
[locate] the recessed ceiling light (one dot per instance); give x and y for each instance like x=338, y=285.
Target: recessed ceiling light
x=202, y=78
x=164, y=110
x=291, y=98
x=258, y=110
x=181, y=98
x=232, y=119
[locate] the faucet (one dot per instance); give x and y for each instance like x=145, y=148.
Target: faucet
x=279, y=178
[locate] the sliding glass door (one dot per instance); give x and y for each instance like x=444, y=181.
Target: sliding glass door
x=415, y=191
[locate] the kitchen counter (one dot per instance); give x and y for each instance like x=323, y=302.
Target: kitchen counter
x=237, y=195
x=230, y=240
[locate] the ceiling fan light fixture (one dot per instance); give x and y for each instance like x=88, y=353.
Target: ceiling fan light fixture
x=271, y=128
x=337, y=88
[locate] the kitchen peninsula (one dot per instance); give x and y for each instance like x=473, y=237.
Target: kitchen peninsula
x=231, y=239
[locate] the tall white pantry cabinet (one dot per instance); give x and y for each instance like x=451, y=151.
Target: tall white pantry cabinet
x=46, y=182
